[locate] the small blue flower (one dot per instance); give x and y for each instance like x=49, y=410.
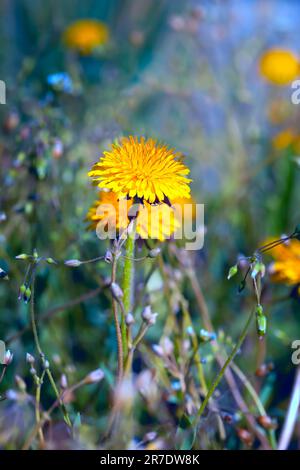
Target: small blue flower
x=61, y=81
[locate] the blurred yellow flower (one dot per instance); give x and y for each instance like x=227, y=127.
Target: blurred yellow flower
x=106, y=209
x=283, y=139
x=157, y=221
x=286, y=266
x=142, y=168
x=287, y=139
x=85, y=35
x=279, y=66
x=296, y=145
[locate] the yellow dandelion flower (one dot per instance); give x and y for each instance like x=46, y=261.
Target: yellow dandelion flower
x=106, y=209
x=286, y=266
x=283, y=139
x=279, y=66
x=157, y=221
x=85, y=35
x=142, y=168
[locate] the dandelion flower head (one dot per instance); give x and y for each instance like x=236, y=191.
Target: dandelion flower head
x=152, y=221
x=85, y=35
x=279, y=66
x=140, y=168
x=286, y=266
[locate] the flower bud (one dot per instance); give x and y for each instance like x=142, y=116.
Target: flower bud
x=22, y=290
x=152, y=320
x=259, y=310
x=23, y=256
x=167, y=345
x=27, y=295
x=51, y=261
x=73, y=263
x=8, y=358
x=32, y=370
x=154, y=253
x=3, y=274
x=258, y=268
x=261, y=325
x=158, y=350
x=148, y=316
x=146, y=313
x=20, y=383
x=64, y=381
x=232, y=271
x=116, y=291
x=108, y=258
x=30, y=359
x=94, y=376
x=129, y=320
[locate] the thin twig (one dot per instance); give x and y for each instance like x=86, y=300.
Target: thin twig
x=53, y=311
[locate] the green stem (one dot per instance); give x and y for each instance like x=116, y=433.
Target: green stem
x=256, y=399
x=127, y=286
x=116, y=320
x=226, y=364
x=132, y=348
x=42, y=355
x=37, y=408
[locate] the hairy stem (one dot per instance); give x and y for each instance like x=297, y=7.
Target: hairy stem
x=127, y=286
x=117, y=324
